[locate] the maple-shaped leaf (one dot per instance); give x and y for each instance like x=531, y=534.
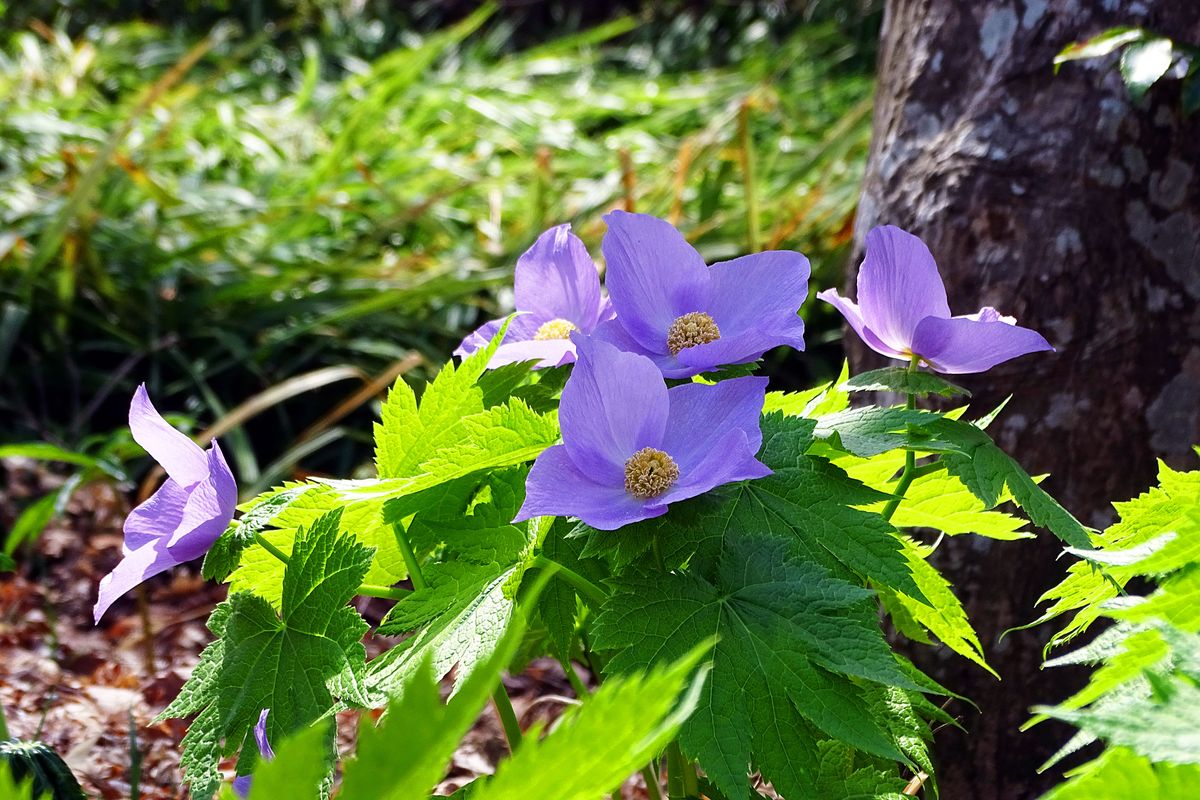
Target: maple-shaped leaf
x=796, y=649
x=298, y=662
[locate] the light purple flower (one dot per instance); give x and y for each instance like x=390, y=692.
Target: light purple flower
x=631, y=447
x=183, y=518
x=902, y=311
x=241, y=784
x=689, y=318
x=557, y=292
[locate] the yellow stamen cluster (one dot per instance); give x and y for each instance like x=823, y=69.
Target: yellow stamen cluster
x=649, y=473
x=690, y=330
x=554, y=329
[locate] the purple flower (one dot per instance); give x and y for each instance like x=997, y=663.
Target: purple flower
x=631, y=447
x=183, y=518
x=689, y=318
x=241, y=784
x=902, y=311
x=557, y=293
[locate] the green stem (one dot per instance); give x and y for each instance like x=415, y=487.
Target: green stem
x=508, y=717
x=410, y=558
x=653, y=788
x=386, y=592
x=3, y=726
x=581, y=689
x=270, y=548
x=675, y=790
x=582, y=584
x=910, y=458
x=691, y=781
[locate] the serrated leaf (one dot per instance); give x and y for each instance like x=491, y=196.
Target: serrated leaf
x=617, y=730
x=1169, y=507
x=941, y=613
x=792, y=643
x=903, y=381
x=296, y=663
x=299, y=768
x=1120, y=774
x=223, y=557
x=806, y=502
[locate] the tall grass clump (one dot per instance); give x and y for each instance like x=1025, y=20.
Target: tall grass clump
x=245, y=213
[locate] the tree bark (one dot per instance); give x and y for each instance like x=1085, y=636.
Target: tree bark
x=1056, y=199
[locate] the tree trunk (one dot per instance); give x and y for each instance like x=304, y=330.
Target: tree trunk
x=1056, y=199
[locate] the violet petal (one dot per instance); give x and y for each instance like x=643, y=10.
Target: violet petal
x=962, y=345
x=898, y=286
x=653, y=276
x=614, y=404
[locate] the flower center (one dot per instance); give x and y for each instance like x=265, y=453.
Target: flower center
x=690, y=330
x=649, y=473
x=554, y=329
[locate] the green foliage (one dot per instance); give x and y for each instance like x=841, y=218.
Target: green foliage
x=295, y=663
x=903, y=381
x=298, y=770
x=36, y=762
x=620, y=728
x=1142, y=696
x=295, y=200
x=1166, y=508
x=1145, y=58
x=798, y=654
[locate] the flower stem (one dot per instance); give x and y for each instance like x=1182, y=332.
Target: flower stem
x=585, y=587
x=508, y=717
x=410, y=558
x=910, y=458
x=270, y=548
x=675, y=771
x=653, y=788
x=386, y=592
x=3, y=726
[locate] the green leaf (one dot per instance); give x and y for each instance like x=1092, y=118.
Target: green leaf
x=1100, y=45
x=301, y=763
x=409, y=435
x=559, y=603
x=1190, y=95
x=1167, y=508
x=11, y=789
x=794, y=646
x=469, y=601
x=872, y=430
x=941, y=614
x=806, y=502
x=593, y=748
x=1121, y=774
x=223, y=557
x=846, y=773
x=6, y=563
x=901, y=380
x=1144, y=62
x=407, y=753
x=1161, y=731
x=297, y=663
x=935, y=500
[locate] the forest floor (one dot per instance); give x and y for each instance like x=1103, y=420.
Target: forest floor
x=92, y=692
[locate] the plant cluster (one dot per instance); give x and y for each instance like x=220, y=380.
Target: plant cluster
x=715, y=554
x=1143, y=698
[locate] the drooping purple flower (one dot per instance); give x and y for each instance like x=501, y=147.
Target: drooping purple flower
x=557, y=292
x=183, y=518
x=631, y=447
x=689, y=318
x=241, y=784
x=902, y=311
